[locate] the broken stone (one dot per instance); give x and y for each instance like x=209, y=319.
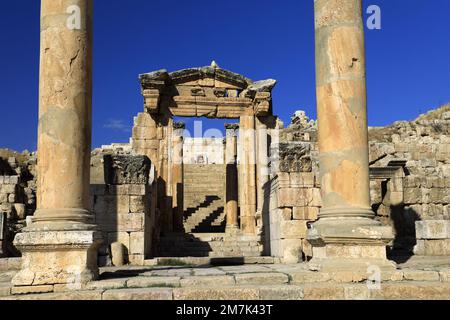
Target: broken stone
x=124, y=169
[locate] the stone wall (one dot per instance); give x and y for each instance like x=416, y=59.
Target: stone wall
x=293, y=192
x=17, y=196
x=121, y=202
x=410, y=184
x=424, y=145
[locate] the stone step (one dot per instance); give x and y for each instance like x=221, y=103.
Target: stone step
x=209, y=246
x=196, y=219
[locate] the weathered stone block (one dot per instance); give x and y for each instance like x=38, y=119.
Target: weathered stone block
x=304, y=276
x=137, y=242
x=137, y=204
x=226, y=293
x=294, y=229
x=433, y=229
x=110, y=205
x=323, y=292
x=32, y=289
x=106, y=284
x=267, y=278
x=136, y=259
x=412, y=195
x=286, y=214
x=420, y=275
x=125, y=169
x=9, y=188
x=356, y=292
x=144, y=133
x=138, y=294
x=89, y=295
x=412, y=291
x=445, y=275
x=279, y=292
x=291, y=250
x=143, y=282
x=207, y=281
x=118, y=253
x=302, y=179
x=306, y=213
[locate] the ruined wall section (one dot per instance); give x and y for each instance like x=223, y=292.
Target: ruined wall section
x=121, y=197
x=17, y=196
x=425, y=146
x=293, y=192
x=410, y=184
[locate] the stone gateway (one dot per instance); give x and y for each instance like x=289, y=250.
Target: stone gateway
x=326, y=209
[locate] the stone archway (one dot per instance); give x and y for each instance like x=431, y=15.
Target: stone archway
x=213, y=93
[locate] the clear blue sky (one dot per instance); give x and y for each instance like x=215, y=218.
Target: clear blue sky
x=408, y=60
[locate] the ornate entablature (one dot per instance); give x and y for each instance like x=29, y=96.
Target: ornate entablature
x=206, y=92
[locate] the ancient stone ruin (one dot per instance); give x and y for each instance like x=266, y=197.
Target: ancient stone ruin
x=305, y=211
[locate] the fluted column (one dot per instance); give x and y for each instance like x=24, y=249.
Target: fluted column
x=177, y=175
x=231, y=178
x=248, y=167
x=346, y=226
x=59, y=246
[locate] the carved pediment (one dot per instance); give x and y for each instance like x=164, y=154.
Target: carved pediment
x=210, y=87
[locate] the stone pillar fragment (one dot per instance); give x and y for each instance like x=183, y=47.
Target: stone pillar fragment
x=346, y=228
x=177, y=176
x=248, y=174
x=231, y=178
x=60, y=246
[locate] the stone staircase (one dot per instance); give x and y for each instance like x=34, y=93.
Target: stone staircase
x=214, y=245
x=210, y=218
x=204, y=198
x=204, y=220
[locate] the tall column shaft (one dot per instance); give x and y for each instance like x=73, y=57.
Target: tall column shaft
x=177, y=176
x=248, y=167
x=60, y=246
x=65, y=105
x=262, y=161
x=346, y=229
x=231, y=177
x=341, y=108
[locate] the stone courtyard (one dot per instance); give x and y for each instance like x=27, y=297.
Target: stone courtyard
x=315, y=209
x=419, y=278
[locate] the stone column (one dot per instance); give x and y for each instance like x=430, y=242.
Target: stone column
x=248, y=167
x=60, y=245
x=346, y=228
x=262, y=160
x=177, y=176
x=231, y=178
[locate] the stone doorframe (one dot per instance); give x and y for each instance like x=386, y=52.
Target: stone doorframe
x=209, y=92
x=394, y=176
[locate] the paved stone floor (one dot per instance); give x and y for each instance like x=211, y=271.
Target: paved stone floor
x=418, y=278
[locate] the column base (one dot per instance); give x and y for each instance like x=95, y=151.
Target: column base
x=57, y=257
x=349, y=244
x=232, y=230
